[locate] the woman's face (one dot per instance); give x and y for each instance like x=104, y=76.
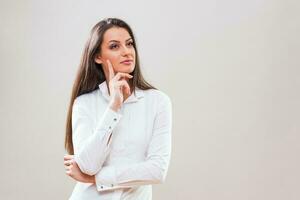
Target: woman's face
x=117, y=47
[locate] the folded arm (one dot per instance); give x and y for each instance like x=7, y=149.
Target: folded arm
x=151, y=171
x=91, y=147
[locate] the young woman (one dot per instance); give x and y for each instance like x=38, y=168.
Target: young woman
x=118, y=131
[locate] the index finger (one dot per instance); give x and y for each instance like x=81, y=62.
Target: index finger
x=68, y=157
x=111, y=72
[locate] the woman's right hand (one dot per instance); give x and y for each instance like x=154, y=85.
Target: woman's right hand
x=117, y=84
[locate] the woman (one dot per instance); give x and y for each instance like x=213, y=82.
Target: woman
x=118, y=132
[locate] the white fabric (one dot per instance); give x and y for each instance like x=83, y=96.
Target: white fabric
x=128, y=150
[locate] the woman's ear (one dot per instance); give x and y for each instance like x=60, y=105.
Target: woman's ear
x=98, y=59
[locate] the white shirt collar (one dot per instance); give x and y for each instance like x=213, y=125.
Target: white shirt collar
x=132, y=98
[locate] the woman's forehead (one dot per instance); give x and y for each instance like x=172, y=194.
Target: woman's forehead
x=116, y=34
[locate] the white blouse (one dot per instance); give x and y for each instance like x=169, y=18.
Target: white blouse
x=128, y=150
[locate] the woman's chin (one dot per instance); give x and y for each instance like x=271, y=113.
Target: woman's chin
x=126, y=69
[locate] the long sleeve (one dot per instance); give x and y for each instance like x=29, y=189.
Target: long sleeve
x=91, y=147
x=154, y=168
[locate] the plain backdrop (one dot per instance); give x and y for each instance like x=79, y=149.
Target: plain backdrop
x=231, y=69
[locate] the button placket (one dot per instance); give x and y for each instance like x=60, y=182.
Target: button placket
x=114, y=121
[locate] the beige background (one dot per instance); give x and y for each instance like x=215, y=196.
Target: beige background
x=230, y=67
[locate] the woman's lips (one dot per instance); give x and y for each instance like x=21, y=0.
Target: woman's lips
x=127, y=62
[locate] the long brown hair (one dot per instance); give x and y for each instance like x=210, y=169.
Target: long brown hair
x=90, y=74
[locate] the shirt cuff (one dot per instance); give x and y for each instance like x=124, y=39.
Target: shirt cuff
x=109, y=120
x=106, y=179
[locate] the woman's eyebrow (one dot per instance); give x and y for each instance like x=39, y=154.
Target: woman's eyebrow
x=119, y=41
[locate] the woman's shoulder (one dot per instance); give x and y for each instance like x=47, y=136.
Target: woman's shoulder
x=157, y=95
x=87, y=98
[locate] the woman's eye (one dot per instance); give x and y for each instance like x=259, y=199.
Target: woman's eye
x=113, y=46
x=130, y=43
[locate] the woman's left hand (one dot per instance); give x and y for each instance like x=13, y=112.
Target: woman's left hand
x=74, y=171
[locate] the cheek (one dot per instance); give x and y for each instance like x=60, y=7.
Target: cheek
x=113, y=58
x=111, y=55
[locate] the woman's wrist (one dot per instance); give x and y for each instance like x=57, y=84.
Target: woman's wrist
x=88, y=179
x=115, y=107
x=93, y=179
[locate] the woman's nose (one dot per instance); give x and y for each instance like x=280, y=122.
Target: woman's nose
x=125, y=50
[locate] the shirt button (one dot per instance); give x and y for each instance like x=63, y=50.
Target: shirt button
x=101, y=186
x=115, y=119
x=110, y=127
x=112, y=185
